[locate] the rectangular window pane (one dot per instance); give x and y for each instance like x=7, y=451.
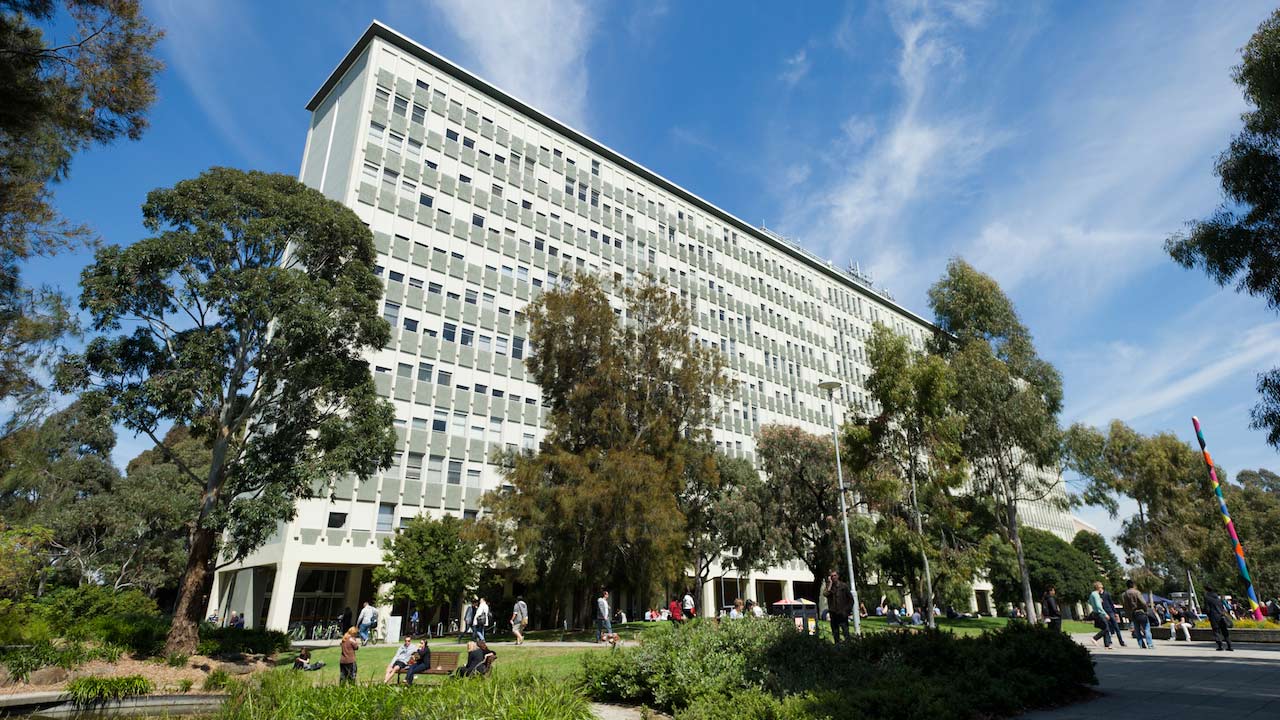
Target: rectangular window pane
x=386, y=517
x=455, y=472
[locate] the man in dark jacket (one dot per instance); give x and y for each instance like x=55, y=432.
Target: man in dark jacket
x=839, y=605
x=1136, y=608
x=1219, y=620
x=1112, y=615
x=1049, y=608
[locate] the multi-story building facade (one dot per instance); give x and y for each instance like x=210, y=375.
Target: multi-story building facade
x=477, y=202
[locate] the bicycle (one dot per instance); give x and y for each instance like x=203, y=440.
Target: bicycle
x=297, y=631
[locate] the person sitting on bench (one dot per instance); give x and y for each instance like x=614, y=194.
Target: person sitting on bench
x=419, y=662
x=401, y=659
x=479, y=659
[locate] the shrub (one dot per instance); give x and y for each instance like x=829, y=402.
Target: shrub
x=108, y=652
x=87, y=691
x=764, y=669
x=185, y=685
x=218, y=679
x=288, y=695
x=225, y=641
x=22, y=660
x=176, y=660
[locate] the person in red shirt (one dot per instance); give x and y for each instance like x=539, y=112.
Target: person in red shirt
x=676, y=610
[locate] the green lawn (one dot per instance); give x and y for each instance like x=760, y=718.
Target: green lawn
x=553, y=662
x=974, y=626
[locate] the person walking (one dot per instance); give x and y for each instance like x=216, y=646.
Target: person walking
x=687, y=605
x=346, y=620
x=519, y=619
x=1049, y=608
x=347, y=658
x=1219, y=619
x=413, y=623
x=366, y=620
x=602, y=616
x=469, y=619
x=1099, y=612
x=1113, y=616
x=675, y=613
x=481, y=621
x=839, y=604
x=1136, y=608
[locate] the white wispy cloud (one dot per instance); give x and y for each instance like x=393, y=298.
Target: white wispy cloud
x=880, y=173
x=194, y=46
x=1123, y=149
x=536, y=49
x=795, y=68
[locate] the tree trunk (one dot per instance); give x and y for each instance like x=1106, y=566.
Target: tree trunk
x=184, y=633
x=924, y=555
x=1011, y=515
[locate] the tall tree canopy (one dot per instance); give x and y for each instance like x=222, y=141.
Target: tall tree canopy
x=1050, y=561
x=912, y=467
x=1009, y=396
x=1240, y=242
x=802, y=501
x=1105, y=562
x=73, y=74
x=247, y=316
x=429, y=561
x=629, y=397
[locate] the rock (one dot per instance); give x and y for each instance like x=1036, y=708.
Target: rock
x=48, y=676
x=5, y=678
x=237, y=668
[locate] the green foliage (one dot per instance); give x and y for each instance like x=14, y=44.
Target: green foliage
x=428, y=562
x=185, y=685
x=626, y=400
x=21, y=559
x=127, y=619
x=22, y=659
x=75, y=74
x=89, y=691
x=1236, y=244
x=764, y=669
x=1009, y=397
x=518, y=695
x=176, y=660
x=217, y=679
x=215, y=641
x=1050, y=561
x=1105, y=563
x=249, y=313
x=801, y=496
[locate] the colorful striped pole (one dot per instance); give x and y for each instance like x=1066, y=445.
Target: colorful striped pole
x=1231, y=527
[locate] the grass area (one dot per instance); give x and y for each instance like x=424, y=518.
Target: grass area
x=556, y=663
x=628, y=631
x=963, y=627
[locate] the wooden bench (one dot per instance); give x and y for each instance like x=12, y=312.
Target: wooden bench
x=442, y=663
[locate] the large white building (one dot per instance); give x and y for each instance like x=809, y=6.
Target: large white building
x=478, y=201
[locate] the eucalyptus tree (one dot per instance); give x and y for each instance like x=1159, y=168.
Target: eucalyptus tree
x=1009, y=397
x=246, y=317
x=913, y=443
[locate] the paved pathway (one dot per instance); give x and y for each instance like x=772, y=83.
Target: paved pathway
x=1179, y=680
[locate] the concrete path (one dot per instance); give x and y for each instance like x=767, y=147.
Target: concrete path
x=1179, y=680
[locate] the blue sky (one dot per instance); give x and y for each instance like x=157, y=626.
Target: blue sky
x=1053, y=145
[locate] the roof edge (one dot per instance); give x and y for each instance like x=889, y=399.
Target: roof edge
x=378, y=29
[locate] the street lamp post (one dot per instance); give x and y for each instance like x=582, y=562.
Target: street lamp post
x=830, y=386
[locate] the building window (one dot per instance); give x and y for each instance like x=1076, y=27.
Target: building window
x=455, y=472
x=450, y=332
x=473, y=478
x=444, y=379
x=435, y=469
x=411, y=325
x=401, y=106
x=391, y=312
x=440, y=420
x=468, y=336
x=517, y=347
x=413, y=468
x=404, y=370
x=337, y=520
x=425, y=200
x=386, y=517
x=424, y=371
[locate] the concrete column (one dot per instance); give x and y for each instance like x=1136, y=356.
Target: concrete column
x=215, y=590
x=384, y=611
x=749, y=587
x=973, y=600
x=282, y=595
x=242, y=597
x=705, y=596
x=788, y=590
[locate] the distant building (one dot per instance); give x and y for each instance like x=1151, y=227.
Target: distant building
x=478, y=202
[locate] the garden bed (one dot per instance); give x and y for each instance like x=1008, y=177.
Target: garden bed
x=1246, y=635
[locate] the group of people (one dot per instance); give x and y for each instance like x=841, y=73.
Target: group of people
x=1142, y=615
x=410, y=659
